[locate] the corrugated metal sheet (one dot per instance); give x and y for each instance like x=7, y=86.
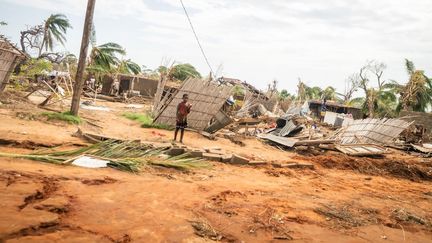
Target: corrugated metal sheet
x=289, y=127
x=288, y=142
x=373, y=131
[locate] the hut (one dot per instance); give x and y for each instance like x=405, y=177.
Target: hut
x=130, y=84
x=421, y=120
x=315, y=107
x=10, y=56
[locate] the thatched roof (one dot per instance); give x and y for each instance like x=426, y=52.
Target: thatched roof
x=7, y=45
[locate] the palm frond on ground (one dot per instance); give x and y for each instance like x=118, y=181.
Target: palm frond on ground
x=128, y=156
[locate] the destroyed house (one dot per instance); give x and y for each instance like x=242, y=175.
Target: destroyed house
x=207, y=99
x=130, y=84
x=247, y=87
x=316, y=107
x=421, y=120
x=10, y=56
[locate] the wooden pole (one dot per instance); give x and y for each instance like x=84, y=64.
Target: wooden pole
x=79, y=81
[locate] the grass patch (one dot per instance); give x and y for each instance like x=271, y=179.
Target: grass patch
x=145, y=120
x=64, y=116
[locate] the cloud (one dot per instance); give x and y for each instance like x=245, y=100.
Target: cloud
x=321, y=41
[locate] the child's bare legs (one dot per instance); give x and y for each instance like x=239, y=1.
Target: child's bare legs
x=175, y=133
x=181, y=135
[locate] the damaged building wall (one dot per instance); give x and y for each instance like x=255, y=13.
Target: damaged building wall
x=316, y=106
x=420, y=118
x=146, y=87
x=10, y=56
x=207, y=98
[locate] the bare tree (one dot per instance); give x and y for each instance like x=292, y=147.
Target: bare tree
x=352, y=84
x=377, y=68
x=272, y=88
x=364, y=82
x=30, y=39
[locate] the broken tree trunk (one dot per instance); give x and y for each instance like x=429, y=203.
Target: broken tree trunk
x=79, y=79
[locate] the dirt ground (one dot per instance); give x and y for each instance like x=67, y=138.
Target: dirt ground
x=344, y=199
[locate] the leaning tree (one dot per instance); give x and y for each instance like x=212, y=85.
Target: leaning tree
x=42, y=38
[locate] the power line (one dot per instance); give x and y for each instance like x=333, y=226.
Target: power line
x=196, y=37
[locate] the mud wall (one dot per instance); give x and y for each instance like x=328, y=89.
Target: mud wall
x=146, y=87
x=421, y=118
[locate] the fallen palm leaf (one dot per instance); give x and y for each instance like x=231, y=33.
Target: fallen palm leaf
x=128, y=156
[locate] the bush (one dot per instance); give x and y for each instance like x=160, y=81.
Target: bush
x=146, y=121
x=64, y=116
x=35, y=67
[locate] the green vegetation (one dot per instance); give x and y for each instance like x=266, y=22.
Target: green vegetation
x=105, y=56
x=145, y=120
x=35, y=66
x=55, y=28
x=184, y=71
x=129, y=67
x=64, y=116
x=239, y=91
x=285, y=95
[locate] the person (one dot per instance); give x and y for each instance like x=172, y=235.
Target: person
x=323, y=110
x=115, y=86
x=183, y=109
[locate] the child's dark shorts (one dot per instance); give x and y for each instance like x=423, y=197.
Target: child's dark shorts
x=181, y=124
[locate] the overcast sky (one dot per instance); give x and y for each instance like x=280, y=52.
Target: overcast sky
x=322, y=42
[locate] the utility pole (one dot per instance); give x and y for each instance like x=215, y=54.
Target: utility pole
x=79, y=78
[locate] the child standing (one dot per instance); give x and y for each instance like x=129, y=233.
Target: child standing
x=183, y=109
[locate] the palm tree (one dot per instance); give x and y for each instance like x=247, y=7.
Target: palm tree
x=357, y=102
x=184, y=71
x=385, y=103
x=129, y=67
x=103, y=59
x=54, y=29
x=416, y=95
x=382, y=102
x=329, y=93
x=314, y=92
x=105, y=56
